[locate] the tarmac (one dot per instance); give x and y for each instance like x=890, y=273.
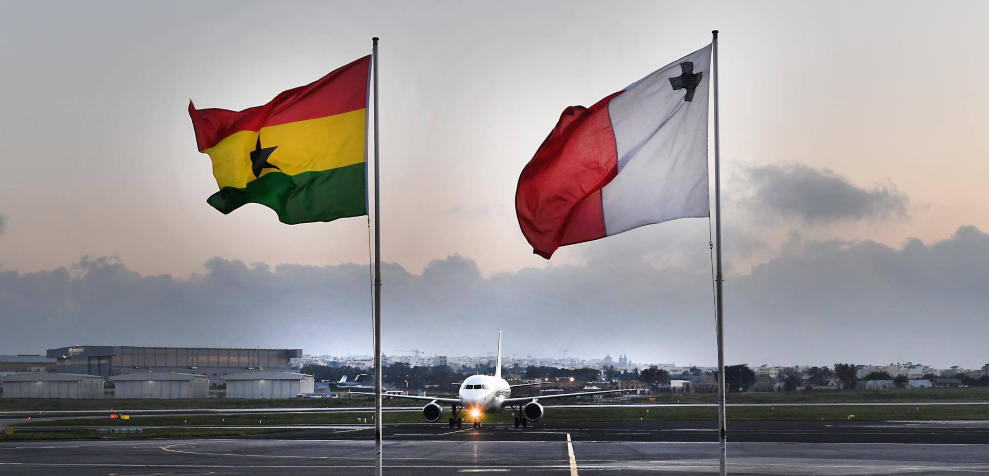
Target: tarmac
x=771, y=448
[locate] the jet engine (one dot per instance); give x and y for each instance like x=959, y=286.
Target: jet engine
x=533, y=411
x=432, y=412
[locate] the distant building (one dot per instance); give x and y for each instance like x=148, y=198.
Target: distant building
x=771, y=372
x=877, y=384
x=269, y=384
x=52, y=385
x=945, y=383
x=441, y=361
x=765, y=383
x=26, y=363
x=909, y=370
x=680, y=386
x=160, y=385
x=107, y=361
x=704, y=384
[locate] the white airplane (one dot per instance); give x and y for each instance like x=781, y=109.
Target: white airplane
x=480, y=394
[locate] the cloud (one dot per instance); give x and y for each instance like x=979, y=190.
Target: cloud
x=821, y=196
x=817, y=302
x=3, y=223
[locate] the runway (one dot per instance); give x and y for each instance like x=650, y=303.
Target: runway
x=776, y=448
x=14, y=415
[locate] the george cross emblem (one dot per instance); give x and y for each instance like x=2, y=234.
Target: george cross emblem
x=259, y=158
x=688, y=80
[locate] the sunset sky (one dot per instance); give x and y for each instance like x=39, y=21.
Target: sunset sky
x=854, y=147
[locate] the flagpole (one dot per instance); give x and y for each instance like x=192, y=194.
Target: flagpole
x=377, y=273
x=719, y=319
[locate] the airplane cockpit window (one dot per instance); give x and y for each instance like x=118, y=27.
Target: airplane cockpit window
x=485, y=387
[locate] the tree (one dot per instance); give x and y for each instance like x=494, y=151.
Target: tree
x=901, y=381
x=819, y=375
x=739, y=378
x=790, y=383
x=696, y=372
x=878, y=376
x=654, y=375
x=846, y=374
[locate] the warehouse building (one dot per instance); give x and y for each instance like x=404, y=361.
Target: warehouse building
x=268, y=384
x=107, y=361
x=52, y=385
x=164, y=385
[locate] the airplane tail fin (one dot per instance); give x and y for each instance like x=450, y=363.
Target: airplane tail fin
x=498, y=361
x=343, y=379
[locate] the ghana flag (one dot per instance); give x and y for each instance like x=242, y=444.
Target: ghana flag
x=302, y=154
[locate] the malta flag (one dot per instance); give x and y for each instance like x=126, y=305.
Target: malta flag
x=301, y=154
x=637, y=157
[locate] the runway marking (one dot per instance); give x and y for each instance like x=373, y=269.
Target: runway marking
x=659, y=466
x=573, y=460
x=266, y=466
x=41, y=447
x=426, y=434
x=484, y=470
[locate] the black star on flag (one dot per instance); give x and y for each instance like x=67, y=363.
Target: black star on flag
x=687, y=80
x=259, y=158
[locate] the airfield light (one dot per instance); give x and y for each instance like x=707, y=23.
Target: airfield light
x=475, y=413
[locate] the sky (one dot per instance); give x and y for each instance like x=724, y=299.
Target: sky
x=853, y=181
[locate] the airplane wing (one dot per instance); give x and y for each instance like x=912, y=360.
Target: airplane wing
x=513, y=401
x=414, y=397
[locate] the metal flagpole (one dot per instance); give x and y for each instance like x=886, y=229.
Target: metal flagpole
x=722, y=433
x=377, y=273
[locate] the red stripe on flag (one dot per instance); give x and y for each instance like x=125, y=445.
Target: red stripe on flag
x=586, y=222
x=558, y=199
x=343, y=90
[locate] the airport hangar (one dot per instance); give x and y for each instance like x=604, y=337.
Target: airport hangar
x=268, y=384
x=52, y=385
x=160, y=385
x=215, y=363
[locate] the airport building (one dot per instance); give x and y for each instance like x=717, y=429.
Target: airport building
x=160, y=385
x=107, y=361
x=52, y=385
x=26, y=363
x=269, y=384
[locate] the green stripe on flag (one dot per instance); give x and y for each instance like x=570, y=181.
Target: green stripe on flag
x=301, y=198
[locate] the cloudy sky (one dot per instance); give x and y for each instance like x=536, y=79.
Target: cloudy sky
x=853, y=144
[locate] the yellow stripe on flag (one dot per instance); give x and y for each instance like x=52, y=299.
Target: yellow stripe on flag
x=305, y=146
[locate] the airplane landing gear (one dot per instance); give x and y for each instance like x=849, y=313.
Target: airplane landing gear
x=456, y=419
x=520, y=418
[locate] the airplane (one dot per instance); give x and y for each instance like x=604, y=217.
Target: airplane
x=356, y=383
x=480, y=394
